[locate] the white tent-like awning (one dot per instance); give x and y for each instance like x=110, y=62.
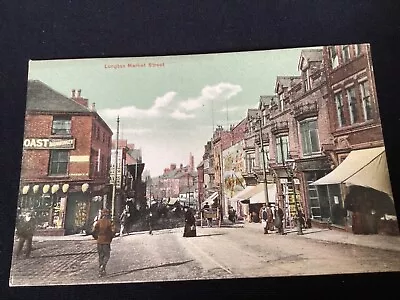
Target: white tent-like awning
x=367, y=168
x=210, y=199
x=260, y=197
x=242, y=195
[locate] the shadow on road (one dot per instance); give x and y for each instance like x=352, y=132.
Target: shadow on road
x=173, y=264
x=307, y=232
x=64, y=254
x=211, y=234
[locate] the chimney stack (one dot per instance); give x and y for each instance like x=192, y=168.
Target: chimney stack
x=93, y=106
x=77, y=97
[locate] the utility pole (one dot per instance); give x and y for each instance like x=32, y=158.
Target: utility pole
x=115, y=175
x=264, y=168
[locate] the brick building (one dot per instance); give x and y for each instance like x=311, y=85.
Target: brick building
x=65, y=162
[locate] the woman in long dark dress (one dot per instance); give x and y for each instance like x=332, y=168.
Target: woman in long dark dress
x=190, y=224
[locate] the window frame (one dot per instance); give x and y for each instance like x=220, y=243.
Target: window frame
x=279, y=158
x=308, y=137
x=357, y=50
x=340, y=109
x=363, y=100
x=58, y=162
x=352, y=101
x=345, y=53
x=63, y=131
x=334, y=57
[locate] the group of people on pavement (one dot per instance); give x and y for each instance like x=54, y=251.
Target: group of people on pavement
x=270, y=219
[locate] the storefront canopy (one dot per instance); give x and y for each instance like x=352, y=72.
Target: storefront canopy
x=242, y=195
x=210, y=199
x=260, y=197
x=367, y=168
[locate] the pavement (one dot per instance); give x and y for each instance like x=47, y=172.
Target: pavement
x=376, y=241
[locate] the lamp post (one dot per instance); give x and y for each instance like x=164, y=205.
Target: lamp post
x=258, y=119
x=114, y=192
x=290, y=170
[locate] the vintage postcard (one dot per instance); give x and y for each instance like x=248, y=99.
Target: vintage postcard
x=230, y=165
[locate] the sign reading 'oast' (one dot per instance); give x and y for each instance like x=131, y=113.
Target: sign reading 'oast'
x=46, y=143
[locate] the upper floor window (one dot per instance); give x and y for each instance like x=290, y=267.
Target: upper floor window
x=282, y=148
x=366, y=100
x=351, y=98
x=281, y=102
x=261, y=161
x=333, y=57
x=58, y=162
x=340, y=109
x=250, y=162
x=357, y=50
x=265, y=120
x=61, y=125
x=345, y=53
x=309, y=136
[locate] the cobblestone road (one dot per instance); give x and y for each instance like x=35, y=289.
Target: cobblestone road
x=215, y=253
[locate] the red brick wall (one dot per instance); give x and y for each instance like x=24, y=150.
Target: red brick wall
x=35, y=163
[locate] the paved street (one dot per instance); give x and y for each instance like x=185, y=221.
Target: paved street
x=228, y=252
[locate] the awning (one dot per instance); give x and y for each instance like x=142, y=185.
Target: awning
x=172, y=201
x=242, y=195
x=367, y=168
x=260, y=197
x=210, y=199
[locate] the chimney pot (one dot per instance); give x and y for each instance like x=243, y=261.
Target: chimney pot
x=79, y=92
x=93, y=106
x=73, y=93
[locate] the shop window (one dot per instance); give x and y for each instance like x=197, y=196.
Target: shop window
x=366, y=100
x=309, y=136
x=340, y=109
x=61, y=125
x=333, y=57
x=282, y=148
x=345, y=53
x=351, y=98
x=58, y=162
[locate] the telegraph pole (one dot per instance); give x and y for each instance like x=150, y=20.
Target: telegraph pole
x=115, y=174
x=264, y=168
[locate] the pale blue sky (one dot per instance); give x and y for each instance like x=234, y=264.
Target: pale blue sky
x=167, y=111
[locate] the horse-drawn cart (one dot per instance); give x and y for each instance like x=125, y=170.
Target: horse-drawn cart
x=212, y=214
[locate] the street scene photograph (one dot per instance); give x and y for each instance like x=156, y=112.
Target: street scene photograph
x=208, y=166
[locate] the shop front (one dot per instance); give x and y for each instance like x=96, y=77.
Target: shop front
x=364, y=178
x=60, y=208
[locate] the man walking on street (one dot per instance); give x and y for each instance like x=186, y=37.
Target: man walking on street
x=105, y=233
x=263, y=215
x=279, y=219
x=25, y=230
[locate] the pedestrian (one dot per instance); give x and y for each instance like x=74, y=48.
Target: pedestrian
x=301, y=219
x=263, y=215
x=231, y=214
x=270, y=218
x=104, y=232
x=206, y=208
x=123, y=220
x=150, y=222
x=190, y=224
x=279, y=219
x=25, y=230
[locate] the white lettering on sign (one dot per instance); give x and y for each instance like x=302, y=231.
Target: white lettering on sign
x=47, y=143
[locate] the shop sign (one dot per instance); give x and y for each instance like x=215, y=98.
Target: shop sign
x=49, y=143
